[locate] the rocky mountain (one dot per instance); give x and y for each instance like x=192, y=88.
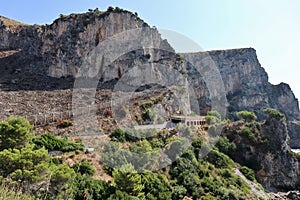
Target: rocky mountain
x=40, y=63
x=48, y=57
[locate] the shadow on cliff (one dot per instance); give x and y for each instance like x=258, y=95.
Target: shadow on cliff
x=21, y=71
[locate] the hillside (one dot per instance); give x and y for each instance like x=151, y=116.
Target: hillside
x=104, y=70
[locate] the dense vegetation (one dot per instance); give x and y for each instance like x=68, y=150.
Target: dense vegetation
x=30, y=172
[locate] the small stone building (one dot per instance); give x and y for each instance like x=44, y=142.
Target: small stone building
x=189, y=120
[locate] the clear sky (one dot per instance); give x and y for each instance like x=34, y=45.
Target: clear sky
x=272, y=27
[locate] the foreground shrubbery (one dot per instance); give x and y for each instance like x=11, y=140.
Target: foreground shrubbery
x=53, y=143
x=30, y=169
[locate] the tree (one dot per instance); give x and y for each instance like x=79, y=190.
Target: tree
x=128, y=180
x=273, y=113
x=15, y=133
x=156, y=185
x=225, y=146
x=119, y=134
x=248, y=173
x=61, y=179
x=53, y=143
x=247, y=116
x=110, y=9
x=26, y=166
x=84, y=168
x=214, y=113
x=213, y=117
x=88, y=188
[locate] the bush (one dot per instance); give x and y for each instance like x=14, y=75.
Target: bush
x=84, y=168
x=119, y=134
x=108, y=113
x=156, y=185
x=110, y=9
x=247, y=116
x=225, y=146
x=214, y=113
x=246, y=132
x=248, y=173
x=15, y=133
x=178, y=192
x=128, y=180
x=213, y=117
x=53, y=143
x=148, y=115
x=219, y=159
x=65, y=123
x=89, y=188
x=118, y=9
x=273, y=113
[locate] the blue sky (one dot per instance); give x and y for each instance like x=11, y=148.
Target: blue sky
x=272, y=27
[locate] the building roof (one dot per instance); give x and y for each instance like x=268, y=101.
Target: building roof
x=188, y=117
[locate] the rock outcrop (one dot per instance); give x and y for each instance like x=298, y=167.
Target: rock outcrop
x=264, y=148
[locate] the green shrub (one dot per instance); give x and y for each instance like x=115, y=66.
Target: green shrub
x=273, y=113
x=110, y=9
x=248, y=173
x=246, y=132
x=117, y=9
x=147, y=105
x=156, y=184
x=84, y=168
x=178, y=192
x=119, y=134
x=15, y=133
x=128, y=180
x=225, y=146
x=219, y=159
x=53, y=143
x=89, y=188
x=247, y=116
x=214, y=113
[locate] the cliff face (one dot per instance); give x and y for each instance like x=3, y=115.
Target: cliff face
x=58, y=50
x=247, y=86
x=264, y=148
x=63, y=45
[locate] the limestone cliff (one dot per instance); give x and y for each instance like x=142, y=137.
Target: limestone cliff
x=58, y=50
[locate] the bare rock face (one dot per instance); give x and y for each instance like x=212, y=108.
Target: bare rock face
x=58, y=50
x=70, y=39
x=267, y=152
x=247, y=85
